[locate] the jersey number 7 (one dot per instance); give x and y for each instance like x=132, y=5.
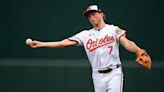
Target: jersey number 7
x=110, y=49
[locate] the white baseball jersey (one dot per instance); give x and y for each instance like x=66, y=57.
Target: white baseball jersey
x=101, y=46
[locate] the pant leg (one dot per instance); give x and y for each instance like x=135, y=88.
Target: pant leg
x=116, y=82
x=99, y=84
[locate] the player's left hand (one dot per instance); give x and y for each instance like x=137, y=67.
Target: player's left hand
x=143, y=59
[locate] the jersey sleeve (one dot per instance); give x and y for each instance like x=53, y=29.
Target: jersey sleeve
x=119, y=32
x=78, y=38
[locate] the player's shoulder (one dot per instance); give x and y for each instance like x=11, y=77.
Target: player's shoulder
x=86, y=30
x=112, y=26
x=116, y=29
x=83, y=32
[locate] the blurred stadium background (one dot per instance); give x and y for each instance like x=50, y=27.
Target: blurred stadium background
x=23, y=69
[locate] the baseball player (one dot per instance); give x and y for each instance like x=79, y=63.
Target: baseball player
x=101, y=44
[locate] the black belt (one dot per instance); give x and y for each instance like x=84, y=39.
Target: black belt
x=108, y=69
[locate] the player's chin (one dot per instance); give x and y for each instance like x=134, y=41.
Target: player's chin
x=94, y=23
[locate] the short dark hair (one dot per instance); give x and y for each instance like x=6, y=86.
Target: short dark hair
x=104, y=15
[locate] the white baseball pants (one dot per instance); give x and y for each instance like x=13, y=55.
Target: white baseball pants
x=108, y=82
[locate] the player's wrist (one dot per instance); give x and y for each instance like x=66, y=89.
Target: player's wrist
x=139, y=51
